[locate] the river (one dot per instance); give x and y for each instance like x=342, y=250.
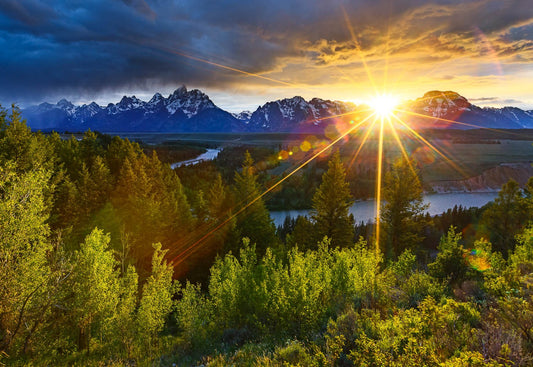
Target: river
x=366, y=210
x=207, y=156
x=438, y=203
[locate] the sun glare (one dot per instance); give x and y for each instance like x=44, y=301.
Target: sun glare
x=384, y=105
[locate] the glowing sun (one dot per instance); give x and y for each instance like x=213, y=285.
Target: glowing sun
x=384, y=105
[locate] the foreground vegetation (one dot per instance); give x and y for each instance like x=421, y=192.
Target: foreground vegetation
x=105, y=261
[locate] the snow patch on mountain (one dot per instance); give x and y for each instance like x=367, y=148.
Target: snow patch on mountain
x=293, y=113
x=243, y=116
x=190, y=111
x=189, y=102
x=440, y=104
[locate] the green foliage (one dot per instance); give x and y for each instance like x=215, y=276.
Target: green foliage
x=303, y=235
x=194, y=315
x=266, y=297
x=522, y=257
x=402, y=209
x=505, y=217
x=71, y=295
x=331, y=202
x=294, y=354
x=24, y=275
x=124, y=322
x=95, y=288
x=17, y=143
x=254, y=221
x=450, y=262
x=156, y=300
x=150, y=201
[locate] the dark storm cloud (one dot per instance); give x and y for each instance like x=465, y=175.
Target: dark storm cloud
x=89, y=47
x=28, y=12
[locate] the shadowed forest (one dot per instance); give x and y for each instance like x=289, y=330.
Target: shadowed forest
x=110, y=257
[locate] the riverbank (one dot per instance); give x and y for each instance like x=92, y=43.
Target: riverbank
x=366, y=210
x=207, y=156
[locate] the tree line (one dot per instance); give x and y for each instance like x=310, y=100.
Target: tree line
x=109, y=256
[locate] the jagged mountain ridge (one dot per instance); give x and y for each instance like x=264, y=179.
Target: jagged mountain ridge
x=181, y=111
x=451, y=106
x=193, y=111
x=285, y=114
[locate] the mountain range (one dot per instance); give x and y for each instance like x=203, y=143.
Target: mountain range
x=193, y=111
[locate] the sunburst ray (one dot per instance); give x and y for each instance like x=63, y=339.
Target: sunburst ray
x=190, y=249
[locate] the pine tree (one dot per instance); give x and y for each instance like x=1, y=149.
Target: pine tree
x=18, y=144
x=505, y=218
x=218, y=203
x=402, y=209
x=101, y=184
x=217, y=198
x=118, y=151
x=450, y=263
x=90, y=147
x=331, y=203
x=254, y=222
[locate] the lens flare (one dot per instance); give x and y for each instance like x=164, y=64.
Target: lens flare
x=384, y=105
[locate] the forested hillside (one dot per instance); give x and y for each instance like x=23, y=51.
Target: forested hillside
x=110, y=257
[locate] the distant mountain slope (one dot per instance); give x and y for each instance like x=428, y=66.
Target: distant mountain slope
x=440, y=106
x=193, y=111
x=296, y=113
x=182, y=111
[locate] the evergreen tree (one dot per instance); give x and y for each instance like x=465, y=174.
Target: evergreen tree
x=67, y=209
x=450, y=263
x=90, y=147
x=18, y=144
x=101, y=182
x=217, y=200
x=505, y=218
x=118, y=151
x=151, y=202
x=331, y=203
x=402, y=209
x=222, y=237
x=219, y=208
x=304, y=234
x=254, y=222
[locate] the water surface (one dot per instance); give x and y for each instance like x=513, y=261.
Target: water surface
x=438, y=203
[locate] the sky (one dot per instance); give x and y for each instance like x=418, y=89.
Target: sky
x=245, y=53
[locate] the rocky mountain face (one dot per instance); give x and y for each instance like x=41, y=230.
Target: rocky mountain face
x=193, y=111
x=437, y=107
x=182, y=111
x=286, y=114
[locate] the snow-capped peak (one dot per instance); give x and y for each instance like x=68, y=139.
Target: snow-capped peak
x=66, y=106
x=285, y=114
x=129, y=103
x=157, y=98
x=439, y=104
x=84, y=112
x=181, y=91
x=189, y=102
x=243, y=116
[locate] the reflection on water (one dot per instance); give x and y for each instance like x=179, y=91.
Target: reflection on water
x=438, y=203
